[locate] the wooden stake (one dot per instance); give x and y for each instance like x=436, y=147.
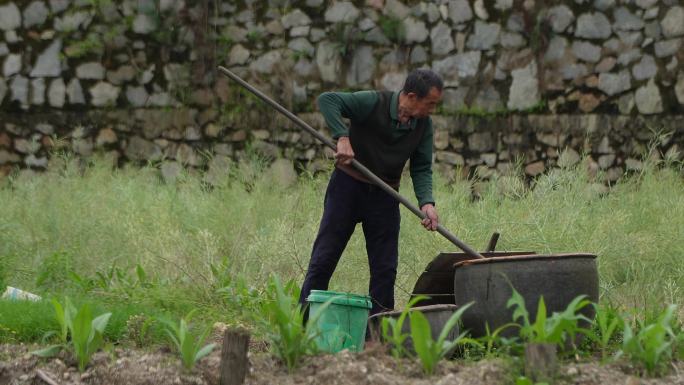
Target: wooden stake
x=44, y=376
x=234, y=362
x=541, y=363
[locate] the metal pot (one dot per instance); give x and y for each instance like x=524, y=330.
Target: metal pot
x=559, y=278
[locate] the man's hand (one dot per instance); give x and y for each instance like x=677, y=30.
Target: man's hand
x=344, y=153
x=432, y=220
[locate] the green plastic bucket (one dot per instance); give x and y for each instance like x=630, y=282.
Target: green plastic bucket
x=342, y=324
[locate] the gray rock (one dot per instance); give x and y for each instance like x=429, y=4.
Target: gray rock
x=449, y=158
x=416, y=32
x=606, y=161
x=301, y=31
x=480, y=10
x=10, y=17
x=602, y=5
x=274, y=27
x=33, y=161
x=626, y=21
x=396, y=9
x=393, y=81
x=511, y=40
x=266, y=62
x=123, y=74
x=645, y=69
x=140, y=149
x=75, y=92
x=57, y=93
x=560, y=17
x=652, y=30
x=341, y=12
x=3, y=49
x=328, y=60
x=441, y=40
x=314, y=3
x=488, y=99
x=92, y=70
x=632, y=164
x=366, y=24
x=568, y=158
x=613, y=84
x=556, y=49
x=672, y=65
x=48, y=63
x=606, y=65
x=35, y=14
x=12, y=37
x=648, y=99
x=38, y=91
x=651, y=13
x=515, y=23
x=432, y=13
x=302, y=45
x=418, y=55
x=460, y=11
x=375, y=35
x=586, y=51
x=104, y=94
x=282, y=173
x=19, y=86
x=161, y=99
x=144, y=24
x=238, y=55
x=304, y=68
x=170, y=171
x=573, y=71
x=679, y=88
x=454, y=99
x=665, y=48
x=137, y=96
x=362, y=66
x=82, y=146
x=295, y=18
x=503, y=5
x=45, y=128
x=218, y=171
x=673, y=23
x=524, y=92
x=8, y=157
x=458, y=67
x=316, y=35
x=26, y=146
x=58, y=6
x=3, y=90
x=12, y=65
x=626, y=103
x=630, y=39
x=481, y=142
x=593, y=26
x=629, y=56
x=485, y=37
x=73, y=21
x=645, y=4
x=171, y=5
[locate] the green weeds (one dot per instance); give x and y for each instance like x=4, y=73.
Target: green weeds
x=187, y=342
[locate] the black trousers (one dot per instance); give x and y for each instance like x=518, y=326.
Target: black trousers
x=348, y=202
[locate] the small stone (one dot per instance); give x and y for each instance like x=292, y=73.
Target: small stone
x=534, y=169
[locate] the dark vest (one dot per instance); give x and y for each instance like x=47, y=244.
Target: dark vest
x=374, y=146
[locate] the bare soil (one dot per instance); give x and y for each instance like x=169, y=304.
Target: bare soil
x=128, y=366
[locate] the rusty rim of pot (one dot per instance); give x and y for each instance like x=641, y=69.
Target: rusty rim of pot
x=528, y=257
x=422, y=309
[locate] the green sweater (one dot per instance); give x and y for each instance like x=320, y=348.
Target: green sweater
x=357, y=106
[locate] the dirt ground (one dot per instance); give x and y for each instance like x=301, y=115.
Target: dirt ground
x=373, y=366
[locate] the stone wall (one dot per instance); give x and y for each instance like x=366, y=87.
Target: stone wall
x=525, y=80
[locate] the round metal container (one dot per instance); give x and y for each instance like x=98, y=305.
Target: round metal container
x=559, y=278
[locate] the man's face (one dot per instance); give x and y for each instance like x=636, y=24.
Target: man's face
x=423, y=107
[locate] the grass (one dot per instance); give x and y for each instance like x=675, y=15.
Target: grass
x=86, y=222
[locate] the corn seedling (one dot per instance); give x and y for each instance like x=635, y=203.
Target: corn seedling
x=283, y=320
x=392, y=329
x=429, y=351
x=556, y=329
x=189, y=344
x=652, y=345
x=607, y=324
x=493, y=339
x=78, y=331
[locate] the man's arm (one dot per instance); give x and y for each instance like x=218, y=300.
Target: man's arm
x=421, y=175
x=352, y=105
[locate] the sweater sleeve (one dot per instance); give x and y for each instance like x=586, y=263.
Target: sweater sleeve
x=352, y=105
x=421, y=168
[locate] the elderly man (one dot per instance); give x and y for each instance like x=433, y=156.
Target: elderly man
x=386, y=129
